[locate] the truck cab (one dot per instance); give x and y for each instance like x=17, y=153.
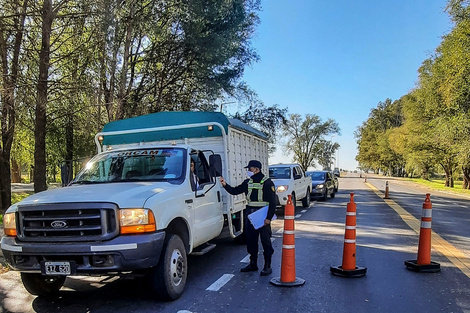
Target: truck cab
x=137, y=206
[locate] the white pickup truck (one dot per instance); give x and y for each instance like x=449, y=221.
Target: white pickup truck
x=133, y=208
x=290, y=179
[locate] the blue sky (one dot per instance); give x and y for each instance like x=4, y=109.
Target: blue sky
x=339, y=59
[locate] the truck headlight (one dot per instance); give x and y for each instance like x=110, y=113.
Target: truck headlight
x=9, y=224
x=320, y=186
x=137, y=221
x=282, y=188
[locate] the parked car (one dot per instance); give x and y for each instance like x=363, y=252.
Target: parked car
x=336, y=172
x=322, y=184
x=290, y=179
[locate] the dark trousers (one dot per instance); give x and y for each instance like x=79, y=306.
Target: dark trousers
x=252, y=236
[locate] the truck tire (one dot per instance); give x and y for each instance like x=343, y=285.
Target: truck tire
x=40, y=285
x=306, y=200
x=294, y=200
x=168, y=278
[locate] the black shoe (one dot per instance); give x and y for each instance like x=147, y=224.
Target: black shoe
x=266, y=271
x=249, y=268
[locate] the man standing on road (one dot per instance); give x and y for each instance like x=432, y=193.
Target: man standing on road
x=259, y=191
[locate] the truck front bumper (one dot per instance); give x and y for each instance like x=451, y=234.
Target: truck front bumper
x=121, y=254
x=281, y=198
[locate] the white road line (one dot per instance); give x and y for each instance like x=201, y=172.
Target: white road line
x=298, y=215
x=220, y=282
x=280, y=230
x=303, y=211
x=246, y=259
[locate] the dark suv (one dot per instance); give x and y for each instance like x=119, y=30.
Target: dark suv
x=322, y=184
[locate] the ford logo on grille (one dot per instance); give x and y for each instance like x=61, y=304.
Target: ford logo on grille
x=58, y=224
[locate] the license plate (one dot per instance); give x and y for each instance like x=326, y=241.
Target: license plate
x=57, y=268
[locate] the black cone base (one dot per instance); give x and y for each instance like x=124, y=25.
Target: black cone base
x=277, y=282
x=433, y=267
x=358, y=272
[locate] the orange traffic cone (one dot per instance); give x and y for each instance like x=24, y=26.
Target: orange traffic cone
x=424, y=263
x=386, y=191
x=349, y=268
x=288, y=278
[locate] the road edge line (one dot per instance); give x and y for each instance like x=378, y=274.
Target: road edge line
x=452, y=253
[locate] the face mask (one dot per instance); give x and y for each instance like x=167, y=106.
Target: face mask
x=249, y=173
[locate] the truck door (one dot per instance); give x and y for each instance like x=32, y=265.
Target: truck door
x=207, y=207
x=297, y=174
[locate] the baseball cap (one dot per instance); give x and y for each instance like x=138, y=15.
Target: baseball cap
x=254, y=163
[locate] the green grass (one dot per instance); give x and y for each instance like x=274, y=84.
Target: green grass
x=439, y=184
x=18, y=196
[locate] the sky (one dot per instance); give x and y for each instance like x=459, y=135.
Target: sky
x=339, y=58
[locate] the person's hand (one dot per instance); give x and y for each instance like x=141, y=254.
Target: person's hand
x=222, y=181
x=267, y=222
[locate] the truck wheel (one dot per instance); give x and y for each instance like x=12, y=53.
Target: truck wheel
x=294, y=200
x=168, y=278
x=40, y=285
x=306, y=200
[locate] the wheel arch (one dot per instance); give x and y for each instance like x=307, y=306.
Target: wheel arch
x=180, y=227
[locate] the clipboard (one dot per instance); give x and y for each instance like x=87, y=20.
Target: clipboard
x=257, y=218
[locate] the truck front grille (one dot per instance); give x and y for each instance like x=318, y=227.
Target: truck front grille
x=67, y=222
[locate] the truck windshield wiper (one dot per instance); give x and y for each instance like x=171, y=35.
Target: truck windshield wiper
x=86, y=182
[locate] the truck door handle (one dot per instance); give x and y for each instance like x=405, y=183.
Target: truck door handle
x=188, y=201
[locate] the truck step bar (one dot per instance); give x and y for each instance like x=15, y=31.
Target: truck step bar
x=203, y=249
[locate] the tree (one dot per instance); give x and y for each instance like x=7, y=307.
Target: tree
x=373, y=139
x=307, y=138
x=172, y=55
x=12, y=29
x=266, y=119
x=86, y=63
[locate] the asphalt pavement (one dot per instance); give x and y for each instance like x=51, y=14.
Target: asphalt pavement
x=385, y=240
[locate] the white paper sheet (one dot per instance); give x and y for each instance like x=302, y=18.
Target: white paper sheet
x=257, y=218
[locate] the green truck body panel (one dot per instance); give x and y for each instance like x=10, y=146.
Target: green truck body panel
x=174, y=118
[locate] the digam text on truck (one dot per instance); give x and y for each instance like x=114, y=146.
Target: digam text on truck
x=133, y=207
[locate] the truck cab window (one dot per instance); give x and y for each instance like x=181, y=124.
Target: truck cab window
x=135, y=165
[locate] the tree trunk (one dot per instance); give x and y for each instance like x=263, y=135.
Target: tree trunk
x=9, y=76
x=69, y=147
x=16, y=172
x=5, y=183
x=40, y=126
x=466, y=177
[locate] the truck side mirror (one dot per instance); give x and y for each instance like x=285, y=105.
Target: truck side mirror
x=215, y=163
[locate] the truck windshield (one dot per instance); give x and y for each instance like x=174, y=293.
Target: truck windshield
x=134, y=165
x=279, y=172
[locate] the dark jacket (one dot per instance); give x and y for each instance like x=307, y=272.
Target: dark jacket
x=269, y=192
